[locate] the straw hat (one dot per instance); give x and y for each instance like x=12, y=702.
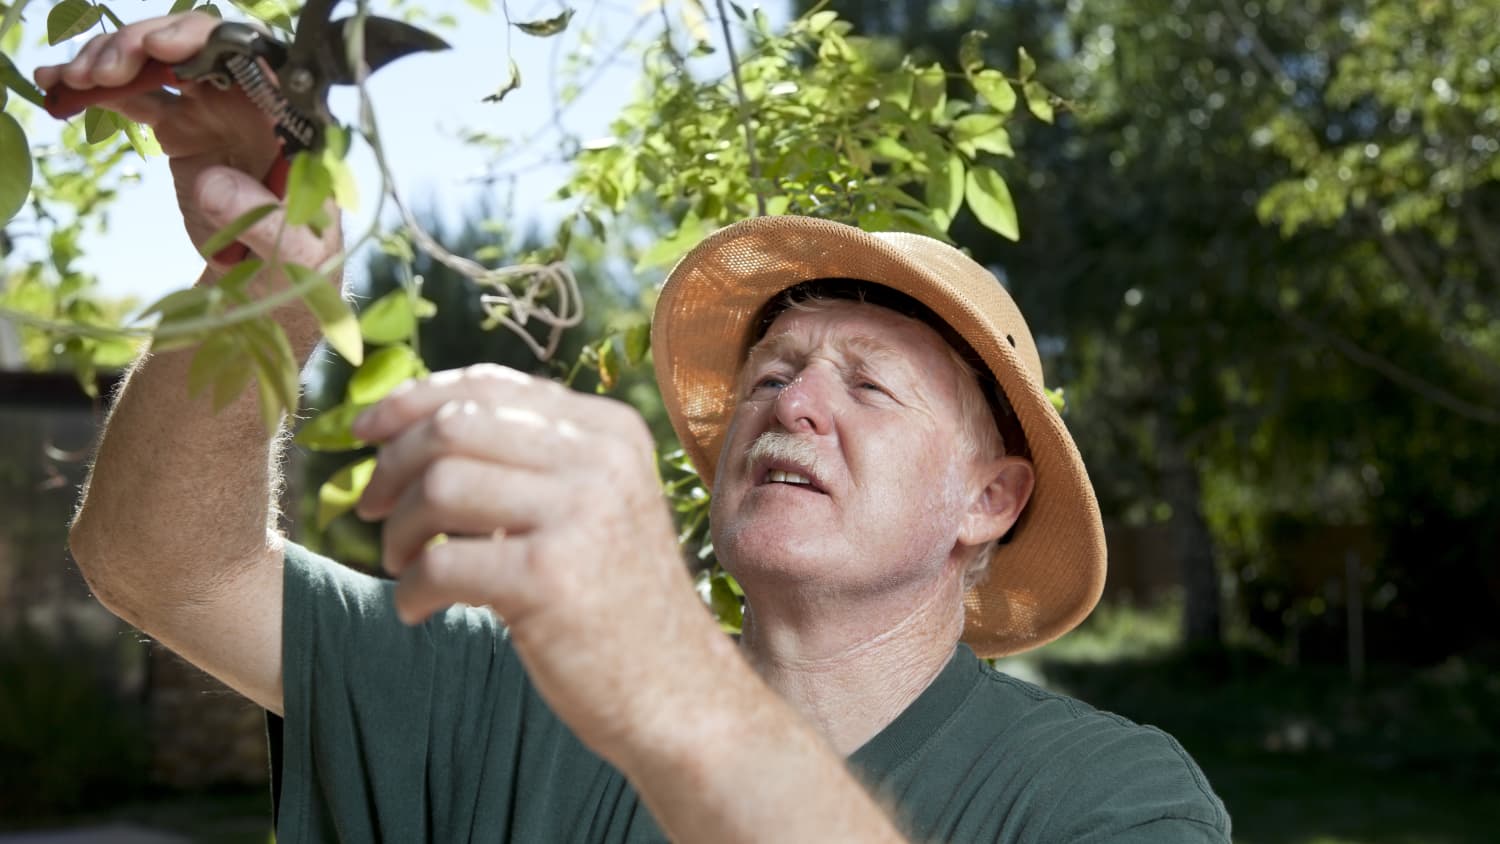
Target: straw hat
x=1049, y=575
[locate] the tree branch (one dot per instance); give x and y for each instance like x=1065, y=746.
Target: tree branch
x=1426, y=389
x=1484, y=239
x=739, y=89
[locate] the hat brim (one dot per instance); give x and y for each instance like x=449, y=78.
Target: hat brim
x=1049, y=575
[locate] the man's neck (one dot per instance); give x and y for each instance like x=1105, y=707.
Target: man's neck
x=851, y=673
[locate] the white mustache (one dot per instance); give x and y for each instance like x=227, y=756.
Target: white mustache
x=775, y=445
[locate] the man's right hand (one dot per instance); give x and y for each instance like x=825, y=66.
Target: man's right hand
x=220, y=145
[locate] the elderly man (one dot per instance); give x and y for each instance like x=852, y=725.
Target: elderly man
x=868, y=410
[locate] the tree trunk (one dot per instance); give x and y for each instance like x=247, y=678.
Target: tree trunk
x=1202, y=613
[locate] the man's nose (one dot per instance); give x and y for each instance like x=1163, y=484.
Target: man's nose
x=804, y=405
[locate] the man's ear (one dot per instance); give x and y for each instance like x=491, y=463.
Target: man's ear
x=1005, y=485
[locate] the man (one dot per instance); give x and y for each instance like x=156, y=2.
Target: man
x=823, y=380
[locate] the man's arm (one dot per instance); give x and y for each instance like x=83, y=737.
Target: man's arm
x=505, y=491
x=176, y=529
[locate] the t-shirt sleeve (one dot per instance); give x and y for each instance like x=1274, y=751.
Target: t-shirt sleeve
x=1137, y=785
x=379, y=743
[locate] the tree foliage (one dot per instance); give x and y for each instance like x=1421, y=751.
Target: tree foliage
x=1261, y=245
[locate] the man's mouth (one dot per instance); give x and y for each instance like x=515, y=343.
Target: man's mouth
x=790, y=477
x=776, y=476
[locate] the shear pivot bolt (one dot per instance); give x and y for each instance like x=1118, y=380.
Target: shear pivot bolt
x=300, y=81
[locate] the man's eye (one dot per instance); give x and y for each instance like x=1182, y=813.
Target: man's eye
x=770, y=382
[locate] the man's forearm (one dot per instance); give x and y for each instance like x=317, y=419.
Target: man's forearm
x=177, y=492
x=746, y=767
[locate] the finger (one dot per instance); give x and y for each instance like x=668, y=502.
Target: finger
x=78, y=73
x=474, y=571
x=225, y=193
x=115, y=58
x=458, y=496
x=151, y=108
x=487, y=383
x=175, y=38
x=515, y=437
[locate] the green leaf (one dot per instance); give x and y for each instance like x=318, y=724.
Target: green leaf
x=974, y=132
x=309, y=186
x=275, y=362
x=231, y=382
x=971, y=126
x=1039, y=100
x=726, y=605
x=15, y=167
x=141, y=139
x=70, y=18
x=99, y=125
x=389, y=319
x=16, y=81
x=667, y=250
x=271, y=405
x=548, y=27
x=342, y=491
x=945, y=189
x=382, y=371
x=604, y=353
x=890, y=149
x=1027, y=63
x=990, y=200
x=995, y=89
x=113, y=18
x=193, y=301
x=512, y=82
x=345, y=187
x=997, y=142
x=233, y=282
x=210, y=10
x=929, y=93
x=339, y=323
x=971, y=50
x=179, y=6
x=1056, y=397
x=331, y=430
x=238, y=226
x=222, y=350
x=637, y=343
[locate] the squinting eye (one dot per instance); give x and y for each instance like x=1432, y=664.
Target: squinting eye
x=769, y=382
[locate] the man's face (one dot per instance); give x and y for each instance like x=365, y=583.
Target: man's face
x=845, y=466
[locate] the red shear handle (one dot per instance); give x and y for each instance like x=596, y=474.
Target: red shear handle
x=63, y=102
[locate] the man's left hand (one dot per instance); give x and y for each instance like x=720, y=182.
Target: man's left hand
x=542, y=503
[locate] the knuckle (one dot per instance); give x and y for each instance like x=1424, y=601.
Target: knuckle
x=440, y=483
x=439, y=562
x=451, y=425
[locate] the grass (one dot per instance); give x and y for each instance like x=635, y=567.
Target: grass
x=1301, y=755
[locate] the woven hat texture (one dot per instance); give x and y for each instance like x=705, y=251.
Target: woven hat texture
x=1049, y=576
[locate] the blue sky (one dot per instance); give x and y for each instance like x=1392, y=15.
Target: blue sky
x=423, y=104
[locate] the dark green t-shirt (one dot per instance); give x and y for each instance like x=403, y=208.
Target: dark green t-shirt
x=434, y=733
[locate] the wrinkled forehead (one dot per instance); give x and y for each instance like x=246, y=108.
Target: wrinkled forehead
x=855, y=330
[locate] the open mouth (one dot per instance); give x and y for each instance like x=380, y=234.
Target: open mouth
x=789, y=477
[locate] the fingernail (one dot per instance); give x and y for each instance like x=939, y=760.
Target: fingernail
x=108, y=58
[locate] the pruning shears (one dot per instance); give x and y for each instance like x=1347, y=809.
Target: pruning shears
x=295, y=97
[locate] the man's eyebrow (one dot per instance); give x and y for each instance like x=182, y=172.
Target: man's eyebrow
x=860, y=347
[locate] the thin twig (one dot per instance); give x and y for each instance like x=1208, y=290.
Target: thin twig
x=1426, y=389
x=739, y=90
